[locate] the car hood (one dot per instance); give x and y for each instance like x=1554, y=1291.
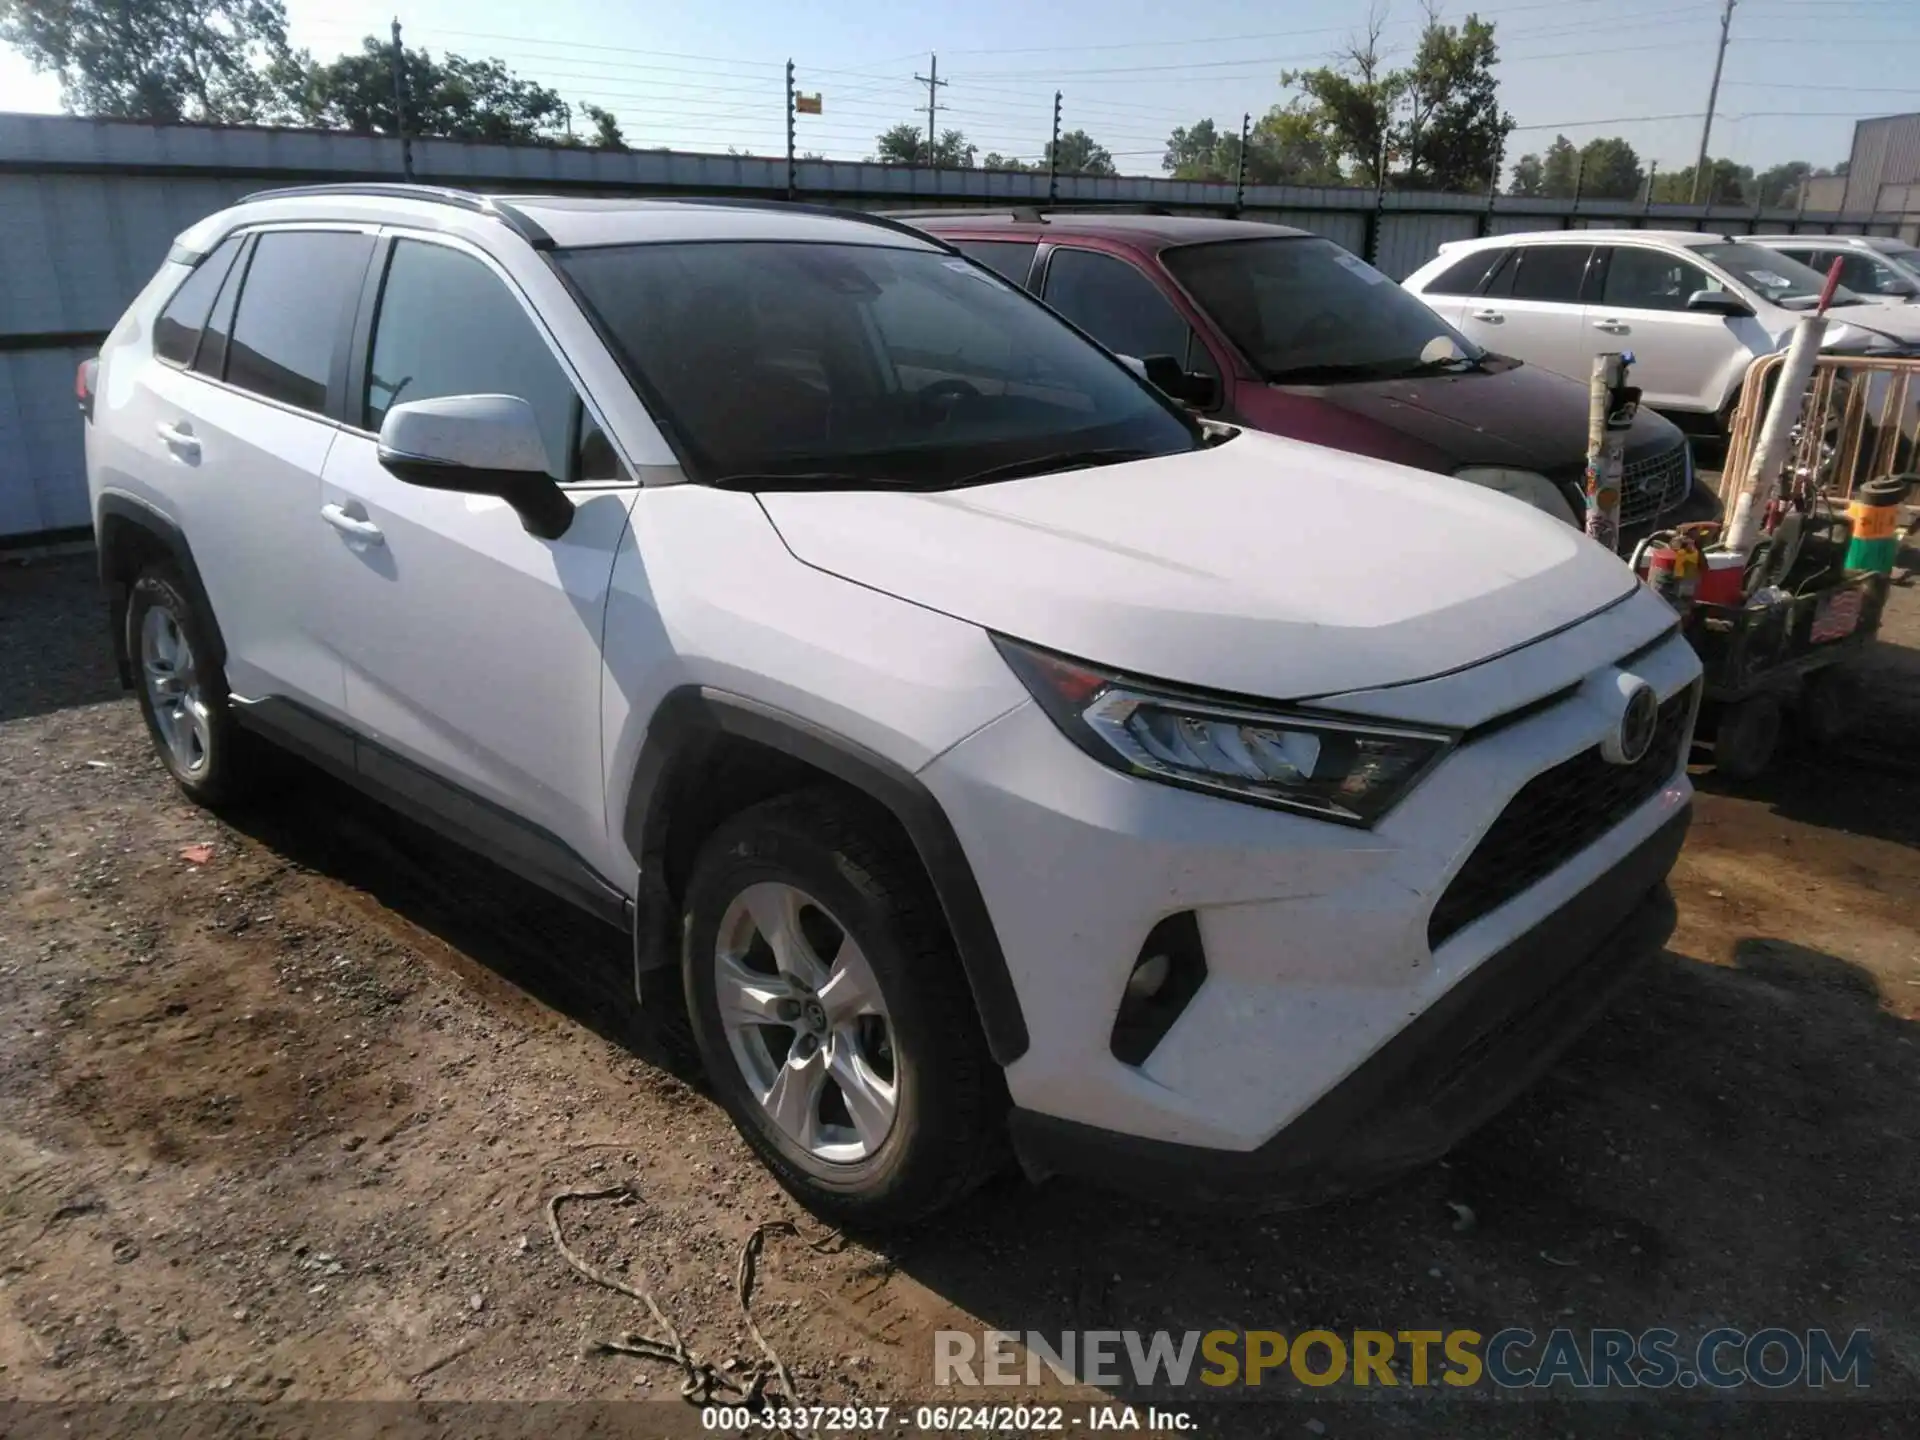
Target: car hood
x=1508, y=414
x=1879, y=322
x=1264, y=566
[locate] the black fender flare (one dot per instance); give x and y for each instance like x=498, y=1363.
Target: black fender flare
x=115, y=511
x=693, y=719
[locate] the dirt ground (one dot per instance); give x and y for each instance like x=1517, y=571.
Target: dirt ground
x=282, y=1123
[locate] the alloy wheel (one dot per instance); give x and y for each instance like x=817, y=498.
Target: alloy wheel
x=806, y=1023
x=173, y=689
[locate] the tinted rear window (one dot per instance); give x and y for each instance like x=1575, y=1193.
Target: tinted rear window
x=293, y=304
x=1549, y=272
x=176, y=334
x=1463, y=277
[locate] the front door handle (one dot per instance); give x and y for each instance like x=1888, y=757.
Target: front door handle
x=1613, y=327
x=350, y=525
x=179, y=439
x=1492, y=317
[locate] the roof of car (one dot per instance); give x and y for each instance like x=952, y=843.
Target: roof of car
x=1160, y=230
x=575, y=220
x=1864, y=242
x=1611, y=237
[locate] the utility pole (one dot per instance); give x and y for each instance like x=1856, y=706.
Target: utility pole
x=933, y=82
x=793, y=170
x=1240, y=170
x=1653, y=170
x=1579, y=182
x=1713, y=96
x=400, y=102
x=1053, y=155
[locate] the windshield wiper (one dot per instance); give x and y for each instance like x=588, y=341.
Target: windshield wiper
x=1053, y=463
x=1329, y=374
x=1451, y=365
x=809, y=480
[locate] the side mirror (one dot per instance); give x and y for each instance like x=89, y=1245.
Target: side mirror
x=1718, y=302
x=477, y=445
x=1189, y=387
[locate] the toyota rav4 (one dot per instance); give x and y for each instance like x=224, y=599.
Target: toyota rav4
x=985, y=755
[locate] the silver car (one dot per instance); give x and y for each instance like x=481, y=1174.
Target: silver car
x=1877, y=267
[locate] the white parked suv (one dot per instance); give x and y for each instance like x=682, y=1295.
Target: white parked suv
x=1694, y=309
x=980, y=748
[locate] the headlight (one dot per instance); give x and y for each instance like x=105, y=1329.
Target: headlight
x=1537, y=490
x=1353, y=772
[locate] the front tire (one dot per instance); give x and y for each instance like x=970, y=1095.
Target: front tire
x=832, y=1015
x=183, y=691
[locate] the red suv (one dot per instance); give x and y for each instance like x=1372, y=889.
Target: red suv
x=1281, y=330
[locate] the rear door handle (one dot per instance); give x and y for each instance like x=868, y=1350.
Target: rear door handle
x=363, y=530
x=179, y=438
x=1492, y=317
x=1613, y=327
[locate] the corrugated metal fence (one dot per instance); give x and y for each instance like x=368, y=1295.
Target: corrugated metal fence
x=89, y=207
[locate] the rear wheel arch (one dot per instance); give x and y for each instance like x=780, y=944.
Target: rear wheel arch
x=131, y=535
x=708, y=755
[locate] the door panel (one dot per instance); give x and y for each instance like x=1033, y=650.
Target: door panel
x=1680, y=357
x=472, y=648
x=1531, y=309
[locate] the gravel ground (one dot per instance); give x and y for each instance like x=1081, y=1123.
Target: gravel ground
x=279, y=1119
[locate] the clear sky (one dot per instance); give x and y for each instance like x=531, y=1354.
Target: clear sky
x=709, y=76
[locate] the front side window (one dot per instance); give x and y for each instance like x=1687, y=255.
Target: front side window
x=1642, y=279
x=448, y=325
x=176, y=334
x=294, y=303
x=1866, y=274
x=1010, y=258
x=1304, y=310
x=1116, y=304
x=859, y=366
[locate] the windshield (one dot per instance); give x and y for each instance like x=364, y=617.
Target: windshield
x=1777, y=277
x=1303, y=309
x=847, y=366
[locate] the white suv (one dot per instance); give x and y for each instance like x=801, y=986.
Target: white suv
x=1695, y=309
x=978, y=745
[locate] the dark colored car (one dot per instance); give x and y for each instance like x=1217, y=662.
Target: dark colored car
x=1281, y=330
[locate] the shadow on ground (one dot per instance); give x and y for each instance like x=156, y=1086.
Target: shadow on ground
x=44, y=664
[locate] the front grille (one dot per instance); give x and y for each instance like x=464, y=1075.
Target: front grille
x=1651, y=487
x=1558, y=813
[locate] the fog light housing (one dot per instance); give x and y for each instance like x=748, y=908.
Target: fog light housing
x=1168, y=972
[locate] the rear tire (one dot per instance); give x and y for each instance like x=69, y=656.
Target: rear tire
x=832, y=1015
x=183, y=693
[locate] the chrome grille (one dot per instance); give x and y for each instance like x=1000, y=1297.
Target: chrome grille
x=1651, y=487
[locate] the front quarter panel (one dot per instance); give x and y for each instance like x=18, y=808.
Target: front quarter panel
x=710, y=596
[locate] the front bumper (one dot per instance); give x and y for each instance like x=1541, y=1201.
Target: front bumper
x=1442, y=1077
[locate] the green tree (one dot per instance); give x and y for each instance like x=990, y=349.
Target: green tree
x=157, y=60
x=994, y=160
x=1610, y=170
x=1727, y=184
x=1435, y=124
x=606, y=128
x=1451, y=129
x=1551, y=175
x=906, y=144
x=1780, y=185
x=1194, y=153
x=453, y=98
x=1529, y=177
x=1290, y=148
x=1078, y=153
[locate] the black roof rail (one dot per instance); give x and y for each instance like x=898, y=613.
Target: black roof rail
x=1030, y=214
x=472, y=200
x=882, y=218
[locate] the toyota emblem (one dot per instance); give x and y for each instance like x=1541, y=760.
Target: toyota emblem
x=1638, y=720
